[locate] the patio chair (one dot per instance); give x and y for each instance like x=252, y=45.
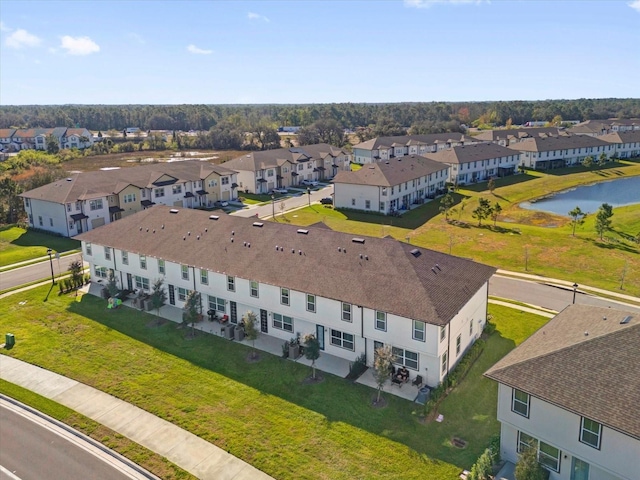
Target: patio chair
x=417, y=381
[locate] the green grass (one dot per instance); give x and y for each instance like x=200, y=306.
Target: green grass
x=19, y=245
x=138, y=454
x=261, y=412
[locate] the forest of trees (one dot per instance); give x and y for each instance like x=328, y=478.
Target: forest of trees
x=421, y=117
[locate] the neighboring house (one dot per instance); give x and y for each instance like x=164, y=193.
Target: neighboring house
x=474, y=163
x=625, y=124
x=602, y=127
x=507, y=136
x=260, y=172
x=36, y=138
x=85, y=201
x=355, y=293
x=572, y=391
x=626, y=143
x=385, y=148
x=6, y=135
x=390, y=185
x=544, y=153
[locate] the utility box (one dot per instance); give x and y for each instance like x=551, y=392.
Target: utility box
x=228, y=331
x=239, y=334
x=9, y=340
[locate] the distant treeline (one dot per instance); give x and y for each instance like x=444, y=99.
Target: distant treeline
x=347, y=115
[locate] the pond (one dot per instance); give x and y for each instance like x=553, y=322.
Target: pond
x=617, y=193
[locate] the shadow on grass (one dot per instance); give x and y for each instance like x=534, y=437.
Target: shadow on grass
x=49, y=292
x=627, y=236
x=603, y=171
x=500, y=182
x=32, y=238
x=611, y=245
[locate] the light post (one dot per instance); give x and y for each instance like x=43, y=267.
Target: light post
x=575, y=286
x=309, y=195
x=273, y=206
x=49, y=252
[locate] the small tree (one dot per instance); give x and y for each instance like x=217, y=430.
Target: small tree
x=158, y=295
x=382, y=365
x=495, y=212
x=251, y=330
x=587, y=162
x=602, y=159
x=527, y=467
x=193, y=309
x=491, y=185
x=75, y=269
x=311, y=351
x=577, y=218
x=603, y=219
x=112, y=284
x=483, y=211
x=445, y=205
x=614, y=157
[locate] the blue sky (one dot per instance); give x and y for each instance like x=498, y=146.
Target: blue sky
x=303, y=51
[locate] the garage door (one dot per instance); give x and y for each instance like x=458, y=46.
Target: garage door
x=97, y=222
x=225, y=195
x=178, y=203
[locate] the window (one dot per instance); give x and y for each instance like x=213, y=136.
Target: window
x=381, y=206
x=405, y=358
x=158, y=192
x=71, y=223
x=443, y=333
x=231, y=283
x=471, y=328
x=217, y=304
x=183, y=293
x=40, y=220
x=353, y=202
x=311, y=303
x=68, y=207
x=100, y=271
x=381, y=321
x=224, y=181
x=184, y=269
x=590, y=432
x=549, y=456
x=87, y=248
x=284, y=296
x=419, y=330
x=525, y=441
x=342, y=340
x=176, y=189
x=213, y=183
x=125, y=258
x=253, y=288
x=458, y=344
x=51, y=222
x=161, y=266
x=144, y=193
x=282, y=322
x=142, y=282
x=26, y=202
x=346, y=312
x=204, y=277
x=143, y=262
x=520, y=403
x=444, y=363
x=367, y=204
x=107, y=253
x=130, y=197
x=95, y=204
x=269, y=173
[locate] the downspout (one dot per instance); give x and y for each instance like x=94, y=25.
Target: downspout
x=115, y=267
x=66, y=218
x=362, y=330
x=448, y=347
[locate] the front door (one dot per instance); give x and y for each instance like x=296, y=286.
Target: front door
x=233, y=307
x=172, y=295
x=376, y=346
x=579, y=469
x=129, y=282
x=264, y=322
x=320, y=336
x=79, y=226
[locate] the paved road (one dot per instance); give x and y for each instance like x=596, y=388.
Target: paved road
x=38, y=271
x=300, y=200
x=547, y=296
x=33, y=450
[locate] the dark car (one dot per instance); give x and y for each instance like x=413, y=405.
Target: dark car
x=327, y=201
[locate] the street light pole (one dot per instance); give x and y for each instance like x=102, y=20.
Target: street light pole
x=575, y=286
x=273, y=206
x=309, y=195
x=49, y=252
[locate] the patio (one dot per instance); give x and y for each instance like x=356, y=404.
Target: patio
x=407, y=391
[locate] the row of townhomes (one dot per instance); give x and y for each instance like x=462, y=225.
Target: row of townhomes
x=260, y=172
x=355, y=293
x=85, y=201
x=14, y=140
x=602, y=127
x=571, y=391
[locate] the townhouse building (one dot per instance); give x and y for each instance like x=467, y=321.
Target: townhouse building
x=355, y=293
x=84, y=201
x=14, y=140
x=570, y=391
x=385, y=148
x=477, y=162
x=261, y=172
x=626, y=143
x=390, y=185
x=507, y=136
x=545, y=153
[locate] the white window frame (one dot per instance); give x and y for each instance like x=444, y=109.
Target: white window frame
x=405, y=358
x=125, y=257
x=107, y=253
x=381, y=321
x=285, y=296
x=87, y=248
x=100, y=271
x=443, y=333
x=183, y=293
x=311, y=303
x=204, y=276
x=254, y=288
x=143, y=262
x=520, y=402
x=141, y=282
x=158, y=192
x=584, y=429
x=231, y=283
x=95, y=204
x=419, y=334
x=218, y=304
x=184, y=272
x=343, y=340
x=161, y=266
x=282, y=322
x=176, y=189
x=346, y=312
x=444, y=364
x=458, y=344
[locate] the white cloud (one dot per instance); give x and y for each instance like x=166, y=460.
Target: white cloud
x=430, y=3
x=635, y=4
x=198, y=51
x=257, y=16
x=79, y=45
x=3, y=27
x=21, y=38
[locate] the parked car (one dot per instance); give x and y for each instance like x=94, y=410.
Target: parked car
x=221, y=203
x=326, y=201
x=279, y=190
x=310, y=183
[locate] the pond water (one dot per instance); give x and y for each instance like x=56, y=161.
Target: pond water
x=617, y=193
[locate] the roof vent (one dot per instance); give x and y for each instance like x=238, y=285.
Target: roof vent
x=258, y=224
x=214, y=217
x=626, y=320
x=248, y=245
x=339, y=249
x=357, y=240
x=163, y=226
x=189, y=233
x=184, y=238
x=244, y=243
x=231, y=239
x=206, y=230
x=361, y=256
x=438, y=267
x=147, y=230
x=299, y=252
x=277, y=248
x=416, y=253
x=303, y=231
x=233, y=232
x=293, y=250
x=154, y=230
x=434, y=270
x=198, y=237
x=366, y=257
x=174, y=210
x=140, y=228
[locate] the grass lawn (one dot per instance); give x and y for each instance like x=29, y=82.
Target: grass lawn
x=19, y=245
x=147, y=459
x=260, y=412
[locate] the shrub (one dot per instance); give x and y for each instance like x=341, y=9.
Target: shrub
x=463, y=366
x=358, y=367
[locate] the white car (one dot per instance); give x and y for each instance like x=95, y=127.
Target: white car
x=279, y=190
x=310, y=183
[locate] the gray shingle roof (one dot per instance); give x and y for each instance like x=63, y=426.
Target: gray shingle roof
x=391, y=172
x=471, y=153
x=387, y=277
x=561, y=142
x=506, y=133
x=430, y=139
x=273, y=158
x=582, y=363
x=622, y=137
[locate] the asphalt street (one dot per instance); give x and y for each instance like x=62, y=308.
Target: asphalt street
x=33, y=450
x=290, y=202
x=38, y=271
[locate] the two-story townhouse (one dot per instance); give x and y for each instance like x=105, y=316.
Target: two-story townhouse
x=76, y=138
x=354, y=293
x=544, y=153
x=36, y=138
x=6, y=135
x=507, y=136
x=385, y=148
x=477, y=162
x=390, y=185
x=570, y=391
x=84, y=201
x=626, y=143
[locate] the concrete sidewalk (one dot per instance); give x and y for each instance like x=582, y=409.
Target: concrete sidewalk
x=200, y=458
